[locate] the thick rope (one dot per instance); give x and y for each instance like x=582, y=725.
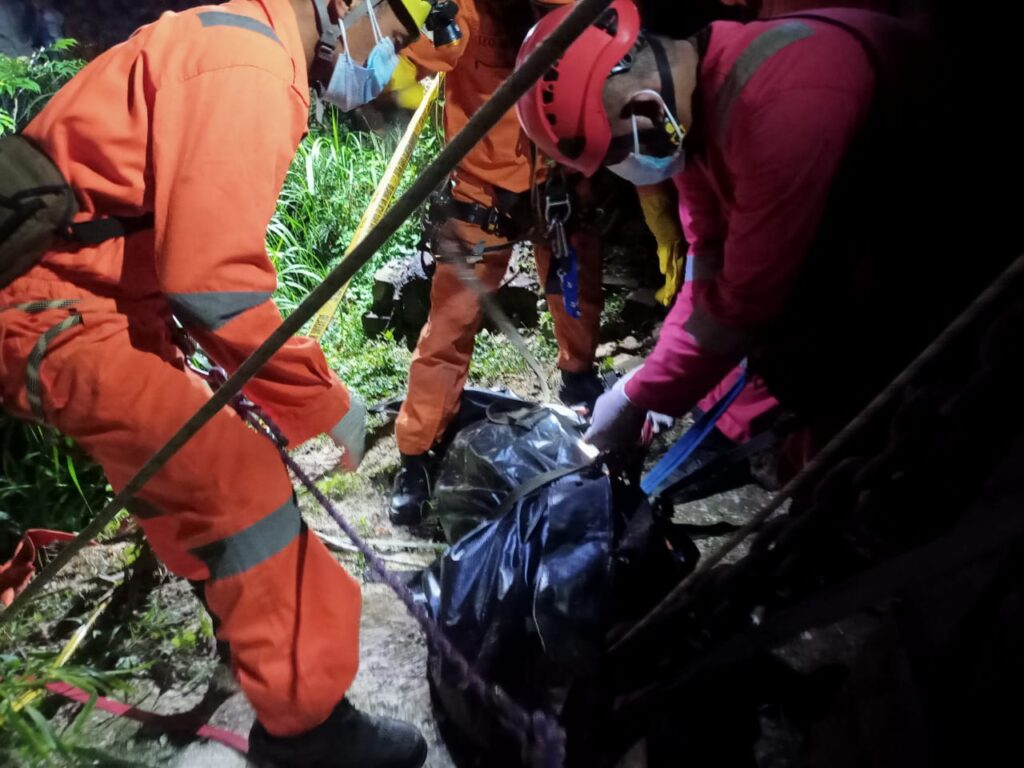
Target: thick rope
x=504, y=99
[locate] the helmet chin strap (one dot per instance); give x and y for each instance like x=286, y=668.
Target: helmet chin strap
x=323, y=60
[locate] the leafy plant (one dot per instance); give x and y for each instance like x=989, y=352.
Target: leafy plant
x=326, y=191
x=28, y=82
x=46, y=482
x=30, y=738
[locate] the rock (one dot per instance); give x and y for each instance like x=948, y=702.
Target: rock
x=605, y=350
x=624, y=363
x=629, y=344
x=374, y=325
x=620, y=281
x=400, y=299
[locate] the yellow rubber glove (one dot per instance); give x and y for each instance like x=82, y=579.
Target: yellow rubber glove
x=404, y=85
x=661, y=212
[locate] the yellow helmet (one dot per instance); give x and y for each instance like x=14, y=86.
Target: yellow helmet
x=418, y=10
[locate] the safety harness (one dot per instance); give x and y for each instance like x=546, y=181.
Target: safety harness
x=515, y=216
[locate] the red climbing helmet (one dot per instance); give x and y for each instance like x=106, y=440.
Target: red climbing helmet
x=564, y=114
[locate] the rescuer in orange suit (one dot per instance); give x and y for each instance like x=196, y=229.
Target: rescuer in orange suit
x=186, y=131
x=487, y=208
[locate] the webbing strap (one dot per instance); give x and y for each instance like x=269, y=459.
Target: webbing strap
x=34, y=307
x=33, y=385
x=490, y=220
x=100, y=230
x=654, y=481
x=536, y=483
x=741, y=453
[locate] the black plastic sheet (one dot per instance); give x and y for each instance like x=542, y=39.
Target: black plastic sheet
x=512, y=443
x=531, y=596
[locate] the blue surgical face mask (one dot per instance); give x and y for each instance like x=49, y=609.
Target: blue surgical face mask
x=643, y=170
x=352, y=85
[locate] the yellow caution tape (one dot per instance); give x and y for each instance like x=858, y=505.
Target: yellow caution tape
x=381, y=200
x=76, y=640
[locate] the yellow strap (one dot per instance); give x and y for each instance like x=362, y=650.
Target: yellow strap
x=381, y=200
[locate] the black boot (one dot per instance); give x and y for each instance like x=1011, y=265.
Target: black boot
x=581, y=390
x=410, y=495
x=347, y=739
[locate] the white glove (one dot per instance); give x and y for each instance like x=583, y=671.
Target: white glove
x=349, y=434
x=618, y=424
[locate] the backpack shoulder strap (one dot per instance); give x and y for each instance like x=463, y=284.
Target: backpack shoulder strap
x=100, y=230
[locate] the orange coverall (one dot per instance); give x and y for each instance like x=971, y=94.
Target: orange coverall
x=195, y=119
x=474, y=70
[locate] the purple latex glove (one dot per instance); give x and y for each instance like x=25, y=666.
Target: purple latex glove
x=616, y=422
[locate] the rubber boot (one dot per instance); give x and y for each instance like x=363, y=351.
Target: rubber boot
x=410, y=495
x=580, y=391
x=347, y=739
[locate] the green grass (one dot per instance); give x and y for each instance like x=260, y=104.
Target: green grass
x=496, y=360
x=327, y=188
x=28, y=737
x=46, y=482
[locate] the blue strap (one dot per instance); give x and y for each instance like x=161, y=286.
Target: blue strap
x=564, y=279
x=569, y=273
x=655, y=480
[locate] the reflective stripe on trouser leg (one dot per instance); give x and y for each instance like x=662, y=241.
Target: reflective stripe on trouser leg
x=248, y=548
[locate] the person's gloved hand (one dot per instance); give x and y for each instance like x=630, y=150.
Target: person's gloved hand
x=616, y=422
x=661, y=212
x=349, y=434
x=655, y=424
x=404, y=86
